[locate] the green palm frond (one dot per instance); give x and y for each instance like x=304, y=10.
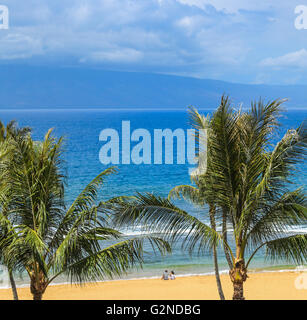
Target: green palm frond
x=224, y=157
x=23, y=248
x=159, y=215
x=292, y=249
x=264, y=119
x=272, y=182
x=88, y=195
x=197, y=120
x=113, y=260
x=201, y=124
x=289, y=152
x=82, y=237
x=82, y=208
x=188, y=193
x=289, y=210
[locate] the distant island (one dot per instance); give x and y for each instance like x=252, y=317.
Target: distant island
x=24, y=87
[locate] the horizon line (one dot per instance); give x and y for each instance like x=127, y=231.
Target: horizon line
x=126, y=109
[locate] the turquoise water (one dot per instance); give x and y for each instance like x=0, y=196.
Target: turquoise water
x=81, y=129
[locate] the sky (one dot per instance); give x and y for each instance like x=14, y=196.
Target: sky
x=232, y=40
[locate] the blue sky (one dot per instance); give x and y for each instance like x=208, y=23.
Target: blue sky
x=232, y=40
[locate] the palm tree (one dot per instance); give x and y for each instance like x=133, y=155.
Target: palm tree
x=251, y=187
x=45, y=239
x=253, y=184
x=6, y=133
x=195, y=194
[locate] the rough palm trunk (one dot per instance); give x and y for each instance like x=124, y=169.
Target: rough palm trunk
x=238, y=276
x=238, y=293
x=36, y=293
x=13, y=285
x=216, y=267
x=224, y=231
x=37, y=296
x=38, y=286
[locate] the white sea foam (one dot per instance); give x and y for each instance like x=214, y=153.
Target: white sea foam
x=298, y=269
x=141, y=231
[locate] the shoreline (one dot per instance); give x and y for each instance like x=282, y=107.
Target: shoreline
x=272, y=285
x=212, y=273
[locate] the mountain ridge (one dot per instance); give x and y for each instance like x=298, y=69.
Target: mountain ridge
x=26, y=87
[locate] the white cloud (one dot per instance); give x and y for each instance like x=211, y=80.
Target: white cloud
x=117, y=55
x=191, y=25
x=19, y=46
x=186, y=37
x=297, y=59
x=231, y=6
x=80, y=14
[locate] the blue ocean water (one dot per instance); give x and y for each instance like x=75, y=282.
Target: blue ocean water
x=81, y=129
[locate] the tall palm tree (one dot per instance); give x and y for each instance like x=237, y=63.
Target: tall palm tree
x=6, y=134
x=200, y=178
x=251, y=186
x=45, y=239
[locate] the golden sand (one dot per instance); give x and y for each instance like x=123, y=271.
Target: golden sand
x=267, y=286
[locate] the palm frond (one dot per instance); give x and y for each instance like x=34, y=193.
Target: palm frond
x=82, y=208
x=292, y=249
x=111, y=261
x=159, y=215
x=290, y=210
x=187, y=193
x=88, y=195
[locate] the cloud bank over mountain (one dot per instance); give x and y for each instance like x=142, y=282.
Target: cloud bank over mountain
x=238, y=40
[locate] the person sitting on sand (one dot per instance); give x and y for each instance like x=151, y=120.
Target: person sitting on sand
x=172, y=275
x=165, y=275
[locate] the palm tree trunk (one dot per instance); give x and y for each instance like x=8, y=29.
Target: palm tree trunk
x=224, y=231
x=238, y=276
x=13, y=285
x=37, y=287
x=216, y=266
x=37, y=296
x=217, y=275
x=238, y=293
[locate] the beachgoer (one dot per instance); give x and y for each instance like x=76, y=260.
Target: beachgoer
x=172, y=275
x=165, y=275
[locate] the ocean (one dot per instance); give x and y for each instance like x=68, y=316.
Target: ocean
x=81, y=130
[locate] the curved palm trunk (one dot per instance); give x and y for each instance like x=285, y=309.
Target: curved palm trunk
x=217, y=275
x=216, y=266
x=13, y=285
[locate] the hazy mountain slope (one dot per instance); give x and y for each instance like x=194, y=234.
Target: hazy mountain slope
x=37, y=87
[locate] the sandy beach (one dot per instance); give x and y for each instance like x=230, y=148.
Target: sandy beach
x=266, y=286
